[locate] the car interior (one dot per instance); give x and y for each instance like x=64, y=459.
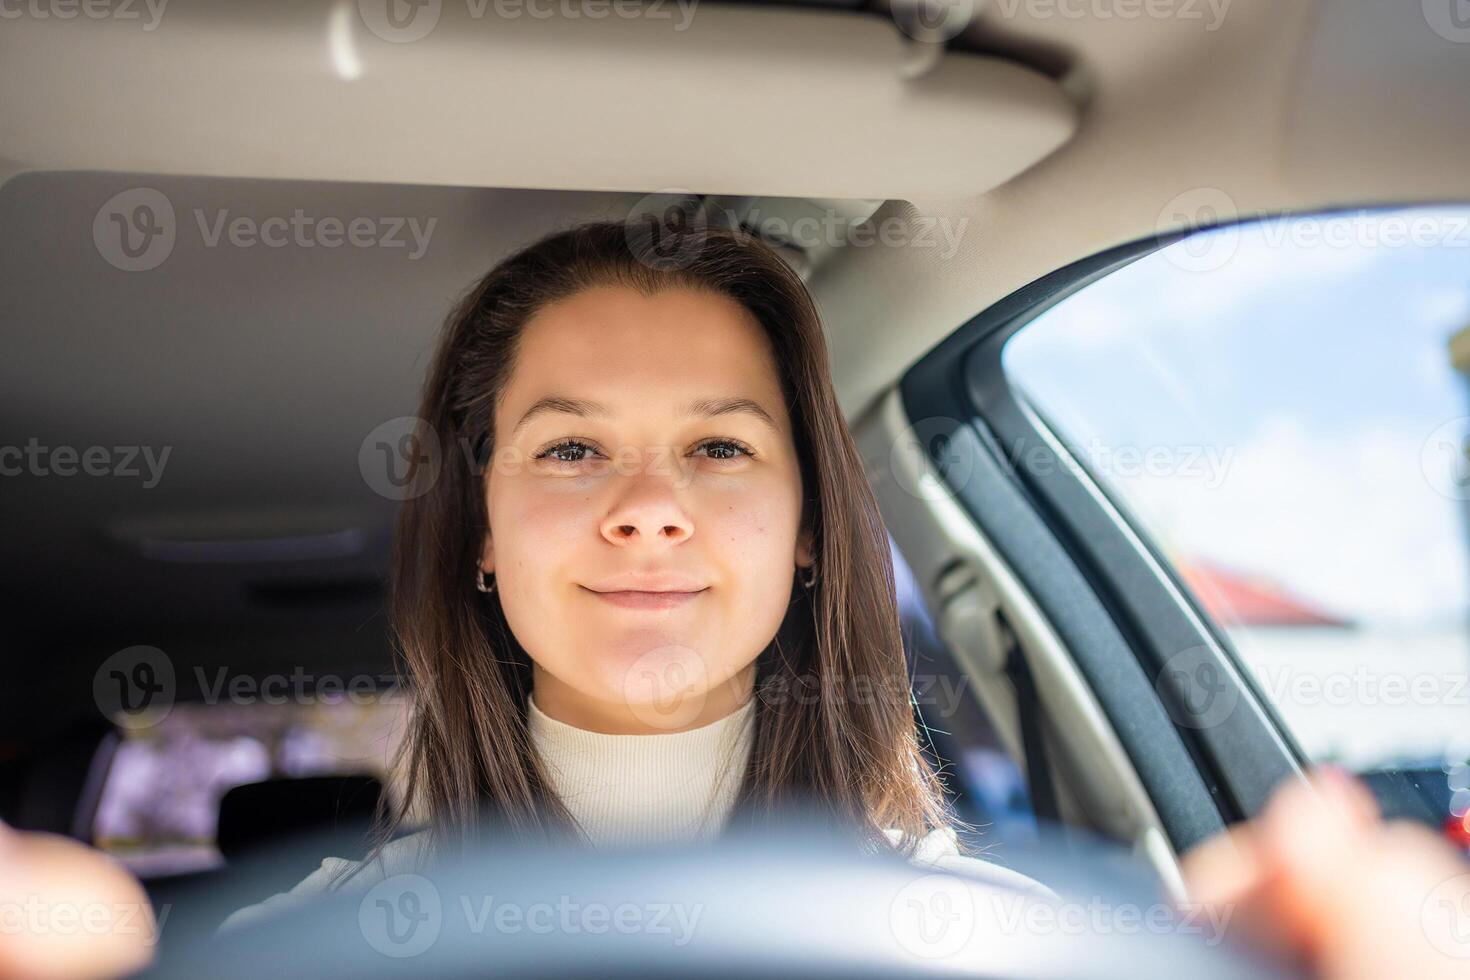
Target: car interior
x=1024, y=149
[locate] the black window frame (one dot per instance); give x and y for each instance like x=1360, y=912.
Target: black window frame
x=1114, y=601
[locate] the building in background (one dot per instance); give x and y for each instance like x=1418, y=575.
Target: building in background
x=1234, y=598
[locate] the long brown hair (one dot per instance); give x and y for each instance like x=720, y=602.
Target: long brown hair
x=852, y=750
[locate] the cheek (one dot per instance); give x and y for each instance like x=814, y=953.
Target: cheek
x=533, y=531
x=753, y=535
x=537, y=540
x=750, y=542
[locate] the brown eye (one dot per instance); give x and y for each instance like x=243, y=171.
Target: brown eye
x=566, y=451
x=725, y=450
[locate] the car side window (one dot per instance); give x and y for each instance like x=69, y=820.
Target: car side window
x=1282, y=409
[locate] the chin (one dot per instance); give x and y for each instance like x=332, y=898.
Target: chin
x=650, y=666
x=663, y=680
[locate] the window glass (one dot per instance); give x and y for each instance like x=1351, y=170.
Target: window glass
x=1282, y=409
x=159, y=807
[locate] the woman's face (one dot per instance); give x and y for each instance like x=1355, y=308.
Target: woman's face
x=643, y=444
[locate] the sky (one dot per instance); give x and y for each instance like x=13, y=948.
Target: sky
x=1292, y=381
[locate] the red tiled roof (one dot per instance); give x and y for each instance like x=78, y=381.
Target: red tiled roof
x=1236, y=599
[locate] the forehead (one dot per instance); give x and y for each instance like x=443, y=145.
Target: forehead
x=644, y=354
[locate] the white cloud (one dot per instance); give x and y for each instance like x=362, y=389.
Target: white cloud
x=1448, y=306
x=1157, y=294
x=1345, y=519
x=1265, y=263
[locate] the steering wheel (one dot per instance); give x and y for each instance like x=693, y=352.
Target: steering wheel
x=802, y=903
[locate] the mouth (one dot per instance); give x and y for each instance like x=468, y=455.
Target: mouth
x=648, y=600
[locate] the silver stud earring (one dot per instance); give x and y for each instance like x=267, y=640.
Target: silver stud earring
x=480, y=580
x=810, y=580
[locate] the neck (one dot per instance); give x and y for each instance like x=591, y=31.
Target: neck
x=680, y=713
x=666, y=787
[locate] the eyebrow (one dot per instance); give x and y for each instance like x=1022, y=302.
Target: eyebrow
x=702, y=407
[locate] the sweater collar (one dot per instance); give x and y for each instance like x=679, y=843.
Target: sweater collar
x=631, y=789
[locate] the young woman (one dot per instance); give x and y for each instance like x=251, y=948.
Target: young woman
x=641, y=585
x=660, y=604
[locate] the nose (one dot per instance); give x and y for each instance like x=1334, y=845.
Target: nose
x=648, y=510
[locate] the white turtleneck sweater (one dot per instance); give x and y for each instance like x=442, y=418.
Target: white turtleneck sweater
x=632, y=789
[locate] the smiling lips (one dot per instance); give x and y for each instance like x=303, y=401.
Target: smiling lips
x=649, y=600
x=629, y=599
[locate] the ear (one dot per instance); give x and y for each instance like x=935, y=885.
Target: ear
x=487, y=554
x=487, y=544
x=805, y=555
